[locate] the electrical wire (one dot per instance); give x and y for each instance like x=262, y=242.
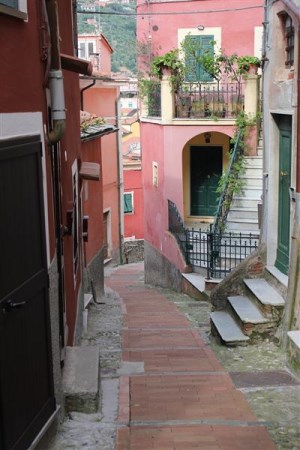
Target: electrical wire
x=166, y=13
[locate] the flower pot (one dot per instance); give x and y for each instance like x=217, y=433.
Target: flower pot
x=253, y=68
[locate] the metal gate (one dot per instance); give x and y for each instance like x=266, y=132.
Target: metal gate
x=26, y=381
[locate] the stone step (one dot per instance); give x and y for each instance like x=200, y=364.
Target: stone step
x=225, y=326
x=254, y=162
x=264, y=292
x=252, y=192
x=254, y=172
x=245, y=202
x=81, y=379
x=253, y=182
x=243, y=225
x=246, y=310
x=196, y=280
x=242, y=213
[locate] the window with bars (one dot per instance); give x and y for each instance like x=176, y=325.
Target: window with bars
x=289, y=35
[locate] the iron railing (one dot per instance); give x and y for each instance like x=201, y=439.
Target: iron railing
x=209, y=101
x=226, y=196
x=154, y=99
x=218, y=254
x=176, y=227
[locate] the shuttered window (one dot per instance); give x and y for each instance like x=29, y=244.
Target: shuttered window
x=11, y=3
x=128, y=202
x=195, y=46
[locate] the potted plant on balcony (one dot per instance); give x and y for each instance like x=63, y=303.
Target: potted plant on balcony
x=248, y=64
x=169, y=64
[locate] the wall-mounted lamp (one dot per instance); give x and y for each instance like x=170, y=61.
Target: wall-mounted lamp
x=200, y=27
x=207, y=137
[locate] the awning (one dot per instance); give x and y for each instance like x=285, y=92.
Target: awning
x=89, y=171
x=95, y=131
x=75, y=64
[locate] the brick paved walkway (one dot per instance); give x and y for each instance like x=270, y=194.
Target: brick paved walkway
x=183, y=399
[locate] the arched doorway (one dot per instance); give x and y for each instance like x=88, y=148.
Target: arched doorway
x=204, y=159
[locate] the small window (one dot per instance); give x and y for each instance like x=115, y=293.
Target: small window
x=289, y=36
x=128, y=202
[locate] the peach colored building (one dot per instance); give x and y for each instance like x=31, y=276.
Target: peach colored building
x=100, y=97
x=178, y=144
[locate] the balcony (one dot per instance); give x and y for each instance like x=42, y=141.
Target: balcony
x=200, y=102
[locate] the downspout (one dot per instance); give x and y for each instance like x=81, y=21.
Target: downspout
x=82, y=91
x=120, y=181
x=56, y=84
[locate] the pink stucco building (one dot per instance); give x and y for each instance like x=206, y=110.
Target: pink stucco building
x=100, y=97
x=181, y=145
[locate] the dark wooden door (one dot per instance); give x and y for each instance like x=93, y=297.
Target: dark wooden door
x=206, y=169
x=26, y=384
x=284, y=177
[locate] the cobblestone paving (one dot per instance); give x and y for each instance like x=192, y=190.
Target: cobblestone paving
x=278, y=406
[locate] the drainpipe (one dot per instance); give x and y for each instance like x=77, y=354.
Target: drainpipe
x=84, y=89
x=120, y=180
x=56, y=84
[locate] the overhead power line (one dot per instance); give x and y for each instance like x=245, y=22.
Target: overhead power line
x=166, y=13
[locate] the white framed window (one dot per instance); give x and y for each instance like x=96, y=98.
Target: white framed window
x=16, y=8
x=128, y=203
x=86, y=48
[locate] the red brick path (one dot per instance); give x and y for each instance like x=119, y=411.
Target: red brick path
x=184, y=400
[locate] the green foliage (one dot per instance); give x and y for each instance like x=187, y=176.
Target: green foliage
x=119, y=30
x=244, y=63
x=169, y=60
x=231, y=183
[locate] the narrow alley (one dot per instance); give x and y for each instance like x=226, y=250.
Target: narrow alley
x=184, y=399
x=163, y=387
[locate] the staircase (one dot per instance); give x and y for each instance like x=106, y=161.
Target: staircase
x=253, y=315
x=243, y=213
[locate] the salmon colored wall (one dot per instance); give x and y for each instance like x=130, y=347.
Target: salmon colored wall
x=105, y=58
x=134, y=223
x=235, y=22
x=92, y=201
x=101, y=101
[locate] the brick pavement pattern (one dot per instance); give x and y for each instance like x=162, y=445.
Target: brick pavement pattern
x=184, y=399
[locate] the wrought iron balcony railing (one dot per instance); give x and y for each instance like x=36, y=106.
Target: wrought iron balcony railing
x=209, y=101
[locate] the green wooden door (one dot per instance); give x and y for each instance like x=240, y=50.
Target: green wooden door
x=284, y=177
x=206, y=169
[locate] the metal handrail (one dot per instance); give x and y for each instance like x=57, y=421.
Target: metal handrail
x=222, y=213
x=176, y=227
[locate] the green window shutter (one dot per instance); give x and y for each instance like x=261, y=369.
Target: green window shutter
x=10, y=3
x=128, y=208
x=194, y=47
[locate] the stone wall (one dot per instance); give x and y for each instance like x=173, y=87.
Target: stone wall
x=159, y=271
x=133, y=251
x=252, y=267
